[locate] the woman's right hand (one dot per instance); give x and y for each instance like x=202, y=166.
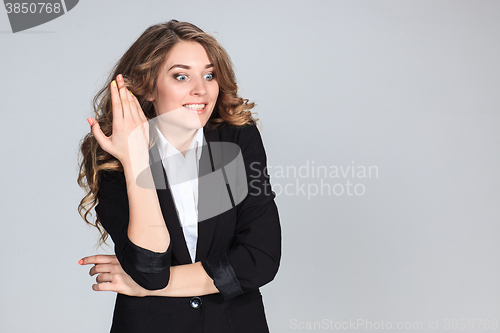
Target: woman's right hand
x=130, y=136
x=111, y=276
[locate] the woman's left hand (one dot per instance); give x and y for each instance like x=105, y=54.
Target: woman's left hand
x=111, y=276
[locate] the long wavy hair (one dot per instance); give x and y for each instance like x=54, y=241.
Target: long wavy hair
x=140, y=67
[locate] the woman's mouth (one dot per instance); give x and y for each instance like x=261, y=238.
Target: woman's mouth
x=197, y=108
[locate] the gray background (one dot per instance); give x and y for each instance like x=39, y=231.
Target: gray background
x=411, y=87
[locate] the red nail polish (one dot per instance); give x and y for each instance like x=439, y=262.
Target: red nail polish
x=80, y=261
x=90, y=121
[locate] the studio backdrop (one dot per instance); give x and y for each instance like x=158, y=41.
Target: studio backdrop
x=381, y=124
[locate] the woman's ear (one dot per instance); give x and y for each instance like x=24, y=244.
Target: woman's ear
x=151, y=96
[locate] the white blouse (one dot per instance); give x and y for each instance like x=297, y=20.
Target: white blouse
x=182, y=174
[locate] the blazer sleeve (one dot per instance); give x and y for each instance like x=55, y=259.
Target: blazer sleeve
x=254, y=258
x=151, y=270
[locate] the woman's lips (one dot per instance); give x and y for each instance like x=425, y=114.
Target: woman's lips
x=196, y=108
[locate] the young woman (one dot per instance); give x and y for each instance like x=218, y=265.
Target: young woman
x=194, y=222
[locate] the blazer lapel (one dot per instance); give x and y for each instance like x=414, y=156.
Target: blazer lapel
x=179, y=249
x=209, y=195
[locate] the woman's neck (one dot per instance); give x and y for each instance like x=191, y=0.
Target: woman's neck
x=179, y=138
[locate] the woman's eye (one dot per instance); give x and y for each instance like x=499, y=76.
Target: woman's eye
x=181, y=77
x=209, y=76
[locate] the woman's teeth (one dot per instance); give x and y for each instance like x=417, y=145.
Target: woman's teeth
x=196, y=107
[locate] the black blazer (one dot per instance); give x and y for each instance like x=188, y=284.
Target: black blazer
x=240, y=248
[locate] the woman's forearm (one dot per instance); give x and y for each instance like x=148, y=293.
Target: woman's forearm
x=147, y=227
x=148, y=230
x=186, y=281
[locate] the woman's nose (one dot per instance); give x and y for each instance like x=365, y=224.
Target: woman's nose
x=199, y=87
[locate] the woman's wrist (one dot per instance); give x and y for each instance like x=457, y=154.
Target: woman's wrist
x=138, y=173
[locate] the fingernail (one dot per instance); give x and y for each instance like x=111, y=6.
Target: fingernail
x=114, y=83
x=131, y=94
x=90, y=121
x=80, y=261
x=120, y=77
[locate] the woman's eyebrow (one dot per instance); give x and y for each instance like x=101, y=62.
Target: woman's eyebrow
x=187, y=67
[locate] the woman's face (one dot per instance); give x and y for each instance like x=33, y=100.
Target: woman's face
x=186, y=89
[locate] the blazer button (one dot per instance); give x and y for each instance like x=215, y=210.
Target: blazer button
x=195, y=302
